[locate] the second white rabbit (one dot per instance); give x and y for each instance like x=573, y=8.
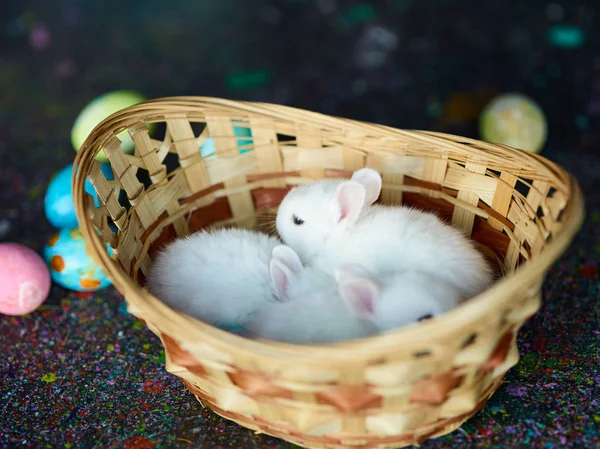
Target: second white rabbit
x=330, y=223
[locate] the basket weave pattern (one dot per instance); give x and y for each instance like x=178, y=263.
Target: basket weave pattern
x=400, y=388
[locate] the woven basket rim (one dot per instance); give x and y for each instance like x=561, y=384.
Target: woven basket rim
x=466, y=312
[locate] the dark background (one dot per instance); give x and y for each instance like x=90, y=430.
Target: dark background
x=82, y=373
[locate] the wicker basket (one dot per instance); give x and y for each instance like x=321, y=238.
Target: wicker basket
x=386, y=391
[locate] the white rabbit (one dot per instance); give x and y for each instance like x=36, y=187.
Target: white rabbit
x=308, y=214
x=357, y=305
x=220, y=277
x=395, y=300
x=313, y=313
x=328, y=224
x=291, y=279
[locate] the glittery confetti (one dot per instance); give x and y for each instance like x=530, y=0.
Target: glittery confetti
x=581, y=121
x=588, y=271
x=555, y=11
x=359, y=13
x=39, y=37
x=50, y=377
x=81, y=372
x=566, y=36
x=246, y=80
x=374, y=47
x=4, y=227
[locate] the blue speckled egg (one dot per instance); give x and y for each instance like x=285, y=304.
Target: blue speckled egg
x=207, y=149
x=70, y=264
x=58, y=203
x=238, y=330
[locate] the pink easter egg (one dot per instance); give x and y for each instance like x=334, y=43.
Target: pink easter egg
x=24, y=279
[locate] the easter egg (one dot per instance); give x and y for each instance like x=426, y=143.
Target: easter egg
x=98, y=110
x=514, y=120
x=207, y=149
x=238, y=330
x=70, y=264
x=24, y=279
x=58, y=202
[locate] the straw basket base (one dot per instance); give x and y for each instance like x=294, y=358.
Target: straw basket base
x=440, y=428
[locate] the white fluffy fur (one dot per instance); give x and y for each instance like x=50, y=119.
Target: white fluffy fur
x=382, y=239
x=318, y=318
x=220, y=277
x=403, y=298
x=314, y=314
x=332, y=313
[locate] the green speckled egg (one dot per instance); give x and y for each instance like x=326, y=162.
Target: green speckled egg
x=98, y=110
x=514, y=120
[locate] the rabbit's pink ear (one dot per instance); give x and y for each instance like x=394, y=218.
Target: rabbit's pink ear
x=371, y=180
x=360, y=295
x=288, y=257
x=280, y=278
x=348, y=201
x=358, y=289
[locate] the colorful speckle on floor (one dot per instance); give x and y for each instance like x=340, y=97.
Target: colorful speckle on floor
x=80, y=372
x=84, y=373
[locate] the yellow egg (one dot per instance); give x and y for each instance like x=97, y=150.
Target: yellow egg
x=514, y=120
x=98, y=110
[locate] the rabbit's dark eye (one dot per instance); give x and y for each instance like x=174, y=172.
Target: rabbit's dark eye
x=297, y=220
x=425, y=317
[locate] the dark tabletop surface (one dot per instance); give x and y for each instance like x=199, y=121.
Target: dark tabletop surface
x=81, y=373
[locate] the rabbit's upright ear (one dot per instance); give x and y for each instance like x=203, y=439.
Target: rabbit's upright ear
x=288, y=257
x=358, y=289
x=372, y=182
x=280, y=278
x=347, y=202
